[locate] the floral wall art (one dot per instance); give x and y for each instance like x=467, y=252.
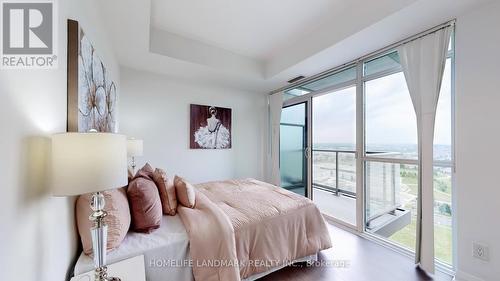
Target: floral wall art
x=92, y=95
x=210, y=127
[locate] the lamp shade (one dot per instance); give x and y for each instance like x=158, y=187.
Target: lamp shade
x=88, y=162
x=134, y=147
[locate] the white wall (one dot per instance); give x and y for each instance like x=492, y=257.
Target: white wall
x=477, y=139
x=155, y=108
x=38, y=239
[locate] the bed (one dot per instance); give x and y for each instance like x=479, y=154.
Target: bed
x=249, y=228
x=169, y=243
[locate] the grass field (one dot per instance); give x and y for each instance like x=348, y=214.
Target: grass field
x=406, y=237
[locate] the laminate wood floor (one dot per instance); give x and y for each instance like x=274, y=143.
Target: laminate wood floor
x=367, y=261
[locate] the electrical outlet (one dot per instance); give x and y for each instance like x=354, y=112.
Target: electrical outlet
x=480, y=251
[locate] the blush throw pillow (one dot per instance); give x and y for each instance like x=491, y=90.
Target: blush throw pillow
x=166, y=189
x=185, y=192
x=118, y=218
x=130, y=174
x=145, y=172
x=145, y=205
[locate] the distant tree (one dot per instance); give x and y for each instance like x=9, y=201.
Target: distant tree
x=445, y=209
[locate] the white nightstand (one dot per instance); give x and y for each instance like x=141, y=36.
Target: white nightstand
x=128, y=270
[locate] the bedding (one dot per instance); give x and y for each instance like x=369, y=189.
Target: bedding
x=118, y=218
x=145, y=172
x=254, y=224
x=170, y=243
x=145, y=204
x=185, y=192
x=259, y=226
x=166, y=189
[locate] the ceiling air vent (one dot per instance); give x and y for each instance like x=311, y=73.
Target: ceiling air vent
x=293, y=80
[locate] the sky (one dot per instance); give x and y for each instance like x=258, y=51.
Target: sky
x=390, y=117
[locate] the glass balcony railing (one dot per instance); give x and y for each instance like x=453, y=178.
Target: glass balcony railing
x=335, y=171
x=391, y=192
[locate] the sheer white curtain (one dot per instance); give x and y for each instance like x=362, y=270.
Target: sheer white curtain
x=423, y=62
x=275, y=106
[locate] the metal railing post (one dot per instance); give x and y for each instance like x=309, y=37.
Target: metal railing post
x=337, y=173
x=394, y=184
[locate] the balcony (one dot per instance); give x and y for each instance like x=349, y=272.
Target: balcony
x=334, y=190
x=391, y=196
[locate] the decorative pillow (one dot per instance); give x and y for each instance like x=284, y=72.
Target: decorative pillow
x=145, y=205
x=118, y=218
x=130, y=174
x=185, y=192
x=166, y=189
x=145, y=172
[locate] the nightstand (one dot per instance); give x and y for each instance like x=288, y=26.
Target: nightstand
x=127, y=270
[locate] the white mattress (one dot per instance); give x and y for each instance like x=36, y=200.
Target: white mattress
x=165, y=250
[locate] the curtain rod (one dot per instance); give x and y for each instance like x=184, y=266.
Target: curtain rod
x=367, y=56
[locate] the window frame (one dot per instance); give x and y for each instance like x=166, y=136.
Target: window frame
x=362, y=158
x=449, y=268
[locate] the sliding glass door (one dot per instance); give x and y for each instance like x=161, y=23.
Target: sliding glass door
x=293, y=148
x=334, y=150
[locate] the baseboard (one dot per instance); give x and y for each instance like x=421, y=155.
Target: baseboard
x=463, y=276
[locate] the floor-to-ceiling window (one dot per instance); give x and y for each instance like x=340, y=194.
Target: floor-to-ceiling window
x=391, y=167
x=364, y=154
x=444, y=169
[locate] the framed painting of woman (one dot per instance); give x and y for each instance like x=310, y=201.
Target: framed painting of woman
x=210, y=127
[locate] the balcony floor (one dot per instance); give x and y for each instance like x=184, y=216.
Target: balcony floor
x=339, y=207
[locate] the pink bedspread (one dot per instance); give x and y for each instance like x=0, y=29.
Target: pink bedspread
x=251, y=227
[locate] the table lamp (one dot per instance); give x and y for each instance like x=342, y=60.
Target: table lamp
x=90, y=163
x=134, y=149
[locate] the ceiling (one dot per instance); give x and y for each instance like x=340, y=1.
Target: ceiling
x=257, y=28
x=258, y=45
